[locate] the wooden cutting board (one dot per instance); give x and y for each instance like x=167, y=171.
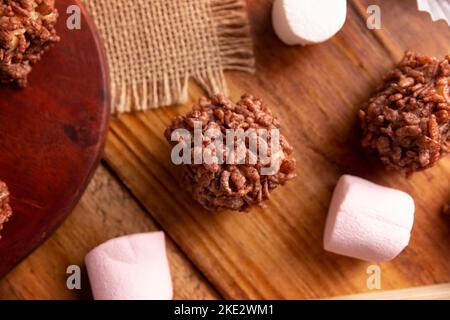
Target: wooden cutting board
x=275, y=253
x=316, y=92
x=52, y=134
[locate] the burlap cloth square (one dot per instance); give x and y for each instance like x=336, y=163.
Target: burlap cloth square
x=155, y=46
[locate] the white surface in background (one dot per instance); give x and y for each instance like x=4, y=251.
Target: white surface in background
x=438, y=9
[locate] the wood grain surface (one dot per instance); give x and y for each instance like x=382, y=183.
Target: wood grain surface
x=105, y=211
x=316, y=92
x=52, y=136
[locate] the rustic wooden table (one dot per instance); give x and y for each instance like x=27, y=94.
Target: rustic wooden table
x=316, y=92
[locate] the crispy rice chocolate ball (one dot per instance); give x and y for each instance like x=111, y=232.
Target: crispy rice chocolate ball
x=27, y=30
x=407, y=122
x=5, y=209
x=233, y=186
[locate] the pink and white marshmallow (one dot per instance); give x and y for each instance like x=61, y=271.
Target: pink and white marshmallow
x=306, y=22
x=368, y=221
x=133, y=267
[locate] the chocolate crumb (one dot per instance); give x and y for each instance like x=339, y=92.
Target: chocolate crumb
x=27, y=30
x=406, y=123
x=5, y=209
x=232, y=186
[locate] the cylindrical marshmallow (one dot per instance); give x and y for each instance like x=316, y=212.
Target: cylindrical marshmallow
x=308, y=21
x=367, y=221
x=133, y=267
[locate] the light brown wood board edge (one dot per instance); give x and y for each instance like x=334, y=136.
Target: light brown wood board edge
x=433, y=292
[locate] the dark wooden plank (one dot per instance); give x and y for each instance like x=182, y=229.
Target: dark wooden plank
x=52, y=135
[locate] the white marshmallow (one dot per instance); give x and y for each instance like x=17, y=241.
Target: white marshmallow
x=308, y=21
x=367, y=221
x=130, y=268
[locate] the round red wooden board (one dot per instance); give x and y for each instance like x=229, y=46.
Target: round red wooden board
x=51, y=136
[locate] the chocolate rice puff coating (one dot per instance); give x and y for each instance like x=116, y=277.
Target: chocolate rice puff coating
x=5, y=209
x=232, y=186
x=27, y=30
x=406, y=123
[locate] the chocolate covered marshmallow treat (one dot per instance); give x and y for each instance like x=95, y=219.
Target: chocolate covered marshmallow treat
x=5, y=209
x=233, y=186
x=27, y=30
x=406, y=123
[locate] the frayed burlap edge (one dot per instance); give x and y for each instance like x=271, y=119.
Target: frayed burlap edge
x=236, y=53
